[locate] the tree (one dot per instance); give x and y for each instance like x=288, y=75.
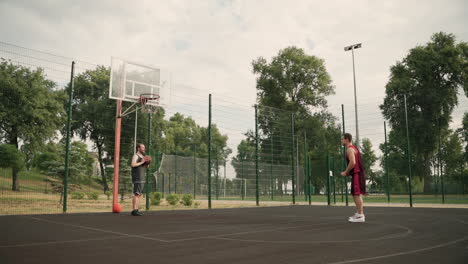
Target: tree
x=369, y=158
x=49, y=157
x=11, y=157
x=292, y=81
x=463, y=46
x=245, y=154
x=31, y=112
x=94, y=112
x=51, y=161
x=430, y=77
x=396, y=162
x=81, y=162
x=295, y=84
x=452, y=156
x=183, y=136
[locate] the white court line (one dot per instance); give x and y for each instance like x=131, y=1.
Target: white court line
x=120, y=235
x=61, y=242
x=402, y=253
x=406, y=252
x=398, y=235
x=99, y=230
x=244, y=233
x=202, y=229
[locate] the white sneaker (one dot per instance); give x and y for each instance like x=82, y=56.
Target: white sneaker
x=353, y=216
x=357, y=219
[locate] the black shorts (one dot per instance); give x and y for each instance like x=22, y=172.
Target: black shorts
x=138, y=188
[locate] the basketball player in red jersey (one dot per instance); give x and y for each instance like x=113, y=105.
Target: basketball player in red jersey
x=355, y=168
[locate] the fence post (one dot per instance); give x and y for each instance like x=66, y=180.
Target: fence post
x=305, y=167
x=345, y=179
x=309, y=176
x=409, y=155
x=147, y=170
x=67, y=143
x=257, y=198
x=163, y=187
x=209, y=152
x=272, y=187
x=242, y=176
x=292, y=161
x=194, y=176
x=385, y=163
x=440, y=166
x=328, y=180
x=175, y=172
x=217, y=173
x=334, y=179
x=224, y=179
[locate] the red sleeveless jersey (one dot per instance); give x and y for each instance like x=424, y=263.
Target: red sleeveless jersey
x=357, y=157
x=358, y=181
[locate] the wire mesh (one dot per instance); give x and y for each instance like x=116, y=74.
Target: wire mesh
x=268, y=153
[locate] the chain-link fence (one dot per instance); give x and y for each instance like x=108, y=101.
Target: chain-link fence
x=213, y=147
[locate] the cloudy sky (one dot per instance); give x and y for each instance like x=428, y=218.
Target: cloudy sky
x=209, y=45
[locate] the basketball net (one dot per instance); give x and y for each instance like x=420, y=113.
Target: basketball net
x=148, y=108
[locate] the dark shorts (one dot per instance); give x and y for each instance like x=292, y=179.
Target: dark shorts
x=356, y=185
x=138, y=188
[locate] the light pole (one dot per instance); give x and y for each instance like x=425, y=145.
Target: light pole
x=352, y=48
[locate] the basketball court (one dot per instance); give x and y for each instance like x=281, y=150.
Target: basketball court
x=289, y=234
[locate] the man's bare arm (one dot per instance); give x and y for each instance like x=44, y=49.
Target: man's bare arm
x=135, y=163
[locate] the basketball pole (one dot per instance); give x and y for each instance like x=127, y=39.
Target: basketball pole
x=118, y=123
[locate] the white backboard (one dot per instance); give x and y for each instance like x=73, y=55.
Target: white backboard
x=129, y=80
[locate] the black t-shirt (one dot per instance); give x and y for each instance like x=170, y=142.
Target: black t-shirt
x=139, y=172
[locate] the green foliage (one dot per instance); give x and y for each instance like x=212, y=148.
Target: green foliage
x=50, y=154
x=81, y=162
x=108, y=194
x=429, y=76
x=11, y=157
x=155, y=198
x=125, y=176
x=369, y=158
x=452, y=157
x=185, y=138
x=92, y=195
x=292, y=81
x=172, y=199
x=31, y=111
x=186, y=200
x=78, y=195
x=52, y=160
x=293, y=85
x=93, y=111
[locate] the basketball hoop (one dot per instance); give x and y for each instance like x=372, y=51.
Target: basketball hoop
x=149, y=108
